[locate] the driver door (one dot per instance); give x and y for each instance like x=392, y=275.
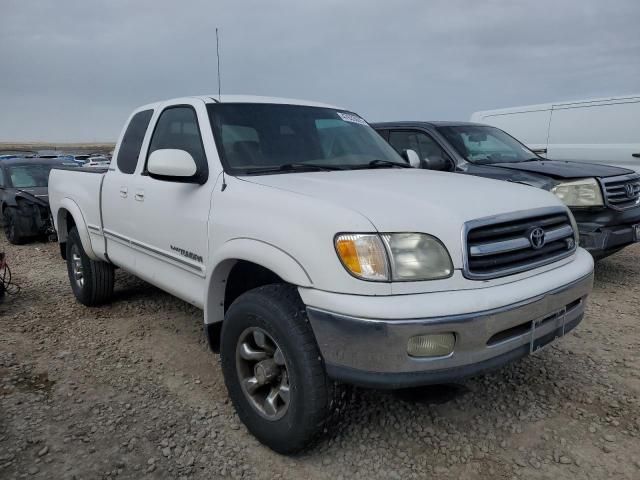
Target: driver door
x=172, y=216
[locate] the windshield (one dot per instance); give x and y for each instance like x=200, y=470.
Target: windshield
x=262, y=138
x=30, y=176
x=486, y=145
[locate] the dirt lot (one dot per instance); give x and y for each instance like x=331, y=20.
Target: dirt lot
x=130, y=390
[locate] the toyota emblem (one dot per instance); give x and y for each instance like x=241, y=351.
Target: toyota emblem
x=537, y=238
x=630, y=190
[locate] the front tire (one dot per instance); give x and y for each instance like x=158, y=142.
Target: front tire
x=91, y=281
x=273, y=369
x=11, y=228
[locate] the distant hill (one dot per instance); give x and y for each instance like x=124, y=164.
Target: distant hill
x=61, y=147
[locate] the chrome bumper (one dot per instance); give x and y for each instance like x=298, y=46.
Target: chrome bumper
x=373, y=352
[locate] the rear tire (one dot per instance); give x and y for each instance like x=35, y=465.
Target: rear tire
x=266, y=330
x=91, y=281
x=11, y=229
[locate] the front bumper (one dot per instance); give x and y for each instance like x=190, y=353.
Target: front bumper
x=604, y=230
x=33, y=220
x=373, y=352
x=607, y=239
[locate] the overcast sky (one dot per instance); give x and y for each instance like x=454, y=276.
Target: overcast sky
x=72, y=70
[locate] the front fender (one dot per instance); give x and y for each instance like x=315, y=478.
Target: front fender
x=252, y=250
x=60, y=220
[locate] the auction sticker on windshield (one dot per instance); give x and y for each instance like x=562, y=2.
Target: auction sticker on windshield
x=351, y=117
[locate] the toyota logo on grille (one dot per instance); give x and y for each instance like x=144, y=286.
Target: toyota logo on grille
x=537, y=238
x=630, y=190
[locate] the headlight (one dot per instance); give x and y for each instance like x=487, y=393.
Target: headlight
x=580, y=193
x=363, y=255
x=394, y=256
x=416, y=256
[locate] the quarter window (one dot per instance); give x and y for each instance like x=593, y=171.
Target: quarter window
x=177, y=128
x=132, y=142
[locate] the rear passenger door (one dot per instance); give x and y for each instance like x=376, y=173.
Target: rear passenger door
x=172, y=217
x=117, y=192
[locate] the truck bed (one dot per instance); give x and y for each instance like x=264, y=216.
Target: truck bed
x=77, y=190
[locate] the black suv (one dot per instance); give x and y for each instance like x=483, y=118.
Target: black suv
x=24, y=199
x=604, y=200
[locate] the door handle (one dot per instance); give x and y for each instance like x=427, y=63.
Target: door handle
x=139, y=196
x=637, y=155
x=123, y=192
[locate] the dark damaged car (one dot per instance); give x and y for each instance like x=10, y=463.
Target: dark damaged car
x=24, y=199
x=604, y=200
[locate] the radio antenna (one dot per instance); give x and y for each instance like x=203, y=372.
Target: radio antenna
x=218, y=55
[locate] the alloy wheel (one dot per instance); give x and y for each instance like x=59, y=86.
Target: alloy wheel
x=263, y=374
x=76, y=266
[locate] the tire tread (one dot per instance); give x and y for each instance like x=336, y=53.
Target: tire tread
x=284, y=298
x=99, y=276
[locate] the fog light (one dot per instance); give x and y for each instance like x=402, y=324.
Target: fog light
x=436, y=345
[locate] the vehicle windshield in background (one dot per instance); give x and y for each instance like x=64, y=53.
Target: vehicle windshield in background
x=30, y=176
x=269, y=138
x=486, y=145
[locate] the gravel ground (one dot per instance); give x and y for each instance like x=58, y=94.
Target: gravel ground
x=131, y=391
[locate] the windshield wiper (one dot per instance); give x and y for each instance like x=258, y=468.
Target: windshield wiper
x=294, y=167
x=383, y=164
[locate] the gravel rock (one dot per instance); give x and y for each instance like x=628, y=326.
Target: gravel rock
x=102, y=390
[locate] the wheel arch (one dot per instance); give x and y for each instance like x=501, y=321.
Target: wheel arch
x=241, y=265
x=68, y=216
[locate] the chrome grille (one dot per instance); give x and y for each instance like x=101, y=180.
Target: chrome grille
x=622, y=192
x=514, y=243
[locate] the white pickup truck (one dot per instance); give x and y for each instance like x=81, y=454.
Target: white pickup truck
x=318, y=255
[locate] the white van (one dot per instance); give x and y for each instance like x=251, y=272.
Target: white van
x=605, y=130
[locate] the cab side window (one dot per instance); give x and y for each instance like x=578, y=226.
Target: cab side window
x=177, y=128
x=132, y=142
x=1, y=177
x=427, y=148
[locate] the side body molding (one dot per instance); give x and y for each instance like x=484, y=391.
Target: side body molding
x=256, y=251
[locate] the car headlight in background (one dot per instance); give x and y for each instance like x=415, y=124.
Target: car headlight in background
x=579, y=193
x=394, y=256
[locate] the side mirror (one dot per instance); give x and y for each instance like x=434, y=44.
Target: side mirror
x=411, y=157
x=435, y=163
x=171, y=162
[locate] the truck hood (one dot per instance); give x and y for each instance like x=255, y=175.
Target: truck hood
x=510, y=175
x=413, y=200
x=559, y=169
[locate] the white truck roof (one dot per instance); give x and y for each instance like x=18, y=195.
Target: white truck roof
x=213, y=98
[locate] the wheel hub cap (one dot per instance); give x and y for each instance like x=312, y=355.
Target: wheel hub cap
x=262, y=371
x=266, y=371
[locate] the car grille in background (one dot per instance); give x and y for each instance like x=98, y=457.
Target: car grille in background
x=509, y=245
x=622, y=192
